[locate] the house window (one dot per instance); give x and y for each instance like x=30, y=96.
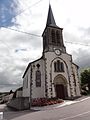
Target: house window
x=53, y=36
x=38, y=78
x=58, y=66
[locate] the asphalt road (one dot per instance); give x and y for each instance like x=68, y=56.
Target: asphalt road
x=77, y=111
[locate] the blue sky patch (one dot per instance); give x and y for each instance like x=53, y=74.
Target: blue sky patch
x=8, y=9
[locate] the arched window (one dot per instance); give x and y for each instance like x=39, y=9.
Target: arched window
x=38, y=78
x=55, y=67
x=58, y=66
x=58, y=36
x=53, y=36
x=62, y=67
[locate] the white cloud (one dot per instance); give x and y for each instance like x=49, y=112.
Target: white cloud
x=18, y=49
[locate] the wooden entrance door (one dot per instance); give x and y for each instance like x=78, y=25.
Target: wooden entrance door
x=60, y=91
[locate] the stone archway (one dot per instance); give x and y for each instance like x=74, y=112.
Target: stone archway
x=60, y=86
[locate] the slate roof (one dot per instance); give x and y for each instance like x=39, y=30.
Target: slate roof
x=50, y=18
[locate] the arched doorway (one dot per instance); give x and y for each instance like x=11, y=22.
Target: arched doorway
x=60, y=91
x=60, y=86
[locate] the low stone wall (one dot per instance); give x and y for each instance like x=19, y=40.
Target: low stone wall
x=20, y=103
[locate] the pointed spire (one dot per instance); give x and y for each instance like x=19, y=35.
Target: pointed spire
x=50, y=18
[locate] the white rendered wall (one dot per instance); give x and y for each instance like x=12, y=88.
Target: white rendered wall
x=78, y=90
x=26, y=91
x=19, y=93
x=37, y=92
x=67, y=61
x=50, y=58
x=47, y=65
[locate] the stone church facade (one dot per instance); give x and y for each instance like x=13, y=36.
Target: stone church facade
x=54, y=74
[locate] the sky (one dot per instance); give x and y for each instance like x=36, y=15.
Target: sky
x=22, y=23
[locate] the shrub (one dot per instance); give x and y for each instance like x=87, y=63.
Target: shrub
x=45, y=101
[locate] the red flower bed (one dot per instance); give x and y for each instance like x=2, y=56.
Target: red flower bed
x=45, y=101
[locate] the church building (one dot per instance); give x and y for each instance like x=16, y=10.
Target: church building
x=54, y=74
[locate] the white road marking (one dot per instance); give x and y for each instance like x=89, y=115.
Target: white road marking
x=66, y=103
x=75, y=116
x=71, y=102
x=85, y=99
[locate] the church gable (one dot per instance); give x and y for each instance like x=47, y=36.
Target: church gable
x=61, y=65
x=36, y=76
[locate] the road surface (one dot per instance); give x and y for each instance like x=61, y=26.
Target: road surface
x=76, y=111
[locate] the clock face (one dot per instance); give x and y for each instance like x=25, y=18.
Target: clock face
x=58, y=52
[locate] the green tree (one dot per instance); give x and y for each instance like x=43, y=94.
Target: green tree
x=85, y=77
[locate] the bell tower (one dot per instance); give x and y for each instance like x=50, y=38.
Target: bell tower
x=52, y=35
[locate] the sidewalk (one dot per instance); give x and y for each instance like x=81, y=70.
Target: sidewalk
x=65, y=103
